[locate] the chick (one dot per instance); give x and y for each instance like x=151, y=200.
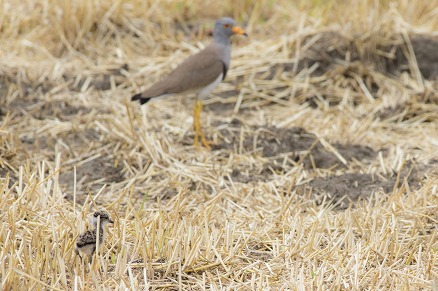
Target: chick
x=86, y=242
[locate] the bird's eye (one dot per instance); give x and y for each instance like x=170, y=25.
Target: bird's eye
x=226, y=25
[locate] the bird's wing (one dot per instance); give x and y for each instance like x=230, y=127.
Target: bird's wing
x=197, y=71
x=86, y=238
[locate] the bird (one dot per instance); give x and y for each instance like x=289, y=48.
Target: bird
x=200, y=73
x=87, y=241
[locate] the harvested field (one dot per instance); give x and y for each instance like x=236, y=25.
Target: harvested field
x=323, y=173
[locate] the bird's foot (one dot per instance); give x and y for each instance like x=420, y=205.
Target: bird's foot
x=205, y=142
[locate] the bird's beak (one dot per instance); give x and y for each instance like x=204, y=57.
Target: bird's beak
x=111, y=221
x=238, y=30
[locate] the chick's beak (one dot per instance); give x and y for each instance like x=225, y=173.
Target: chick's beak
x=238, y=30
x=111, y=221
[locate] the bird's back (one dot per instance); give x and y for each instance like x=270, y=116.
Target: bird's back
x=89, y=237
x=195, y=73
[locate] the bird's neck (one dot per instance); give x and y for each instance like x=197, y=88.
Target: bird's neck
x=100, y=227
x=224, y=48
x=101, y=234
x=220, y=39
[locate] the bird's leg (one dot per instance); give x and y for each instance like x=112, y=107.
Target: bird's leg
x=197, y=127
x=196, y=116
x=91, y=258
x=78, y=254
x=204, y=141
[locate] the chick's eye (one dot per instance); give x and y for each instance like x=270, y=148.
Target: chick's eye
x=226, y=25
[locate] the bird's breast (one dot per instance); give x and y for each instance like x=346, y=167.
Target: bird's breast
x=207, y=90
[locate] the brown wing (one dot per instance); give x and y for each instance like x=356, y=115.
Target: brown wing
x=88, y=237
x=197, y=71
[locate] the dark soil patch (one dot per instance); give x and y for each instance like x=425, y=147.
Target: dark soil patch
x=12, y=177
x=59, y=109
x=20, y=106
x=245, y=176
x=352, y=187
x=223, y=107
x=391, y=112
x=62, y=110
x=293, y=145
x=100, y=81
x=425, y=48
x=79, y=142
x=408, y=111
x=333, y=49
x=3, y=95
x=92, y=174
x=343, y=59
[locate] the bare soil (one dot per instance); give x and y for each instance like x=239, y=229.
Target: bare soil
x=345, y=190
x=332, y=49
x=283, y=148
x=287, y=148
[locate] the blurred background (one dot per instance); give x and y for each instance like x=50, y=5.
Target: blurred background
x=323, y=171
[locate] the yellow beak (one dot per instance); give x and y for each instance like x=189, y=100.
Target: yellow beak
x=238, y=30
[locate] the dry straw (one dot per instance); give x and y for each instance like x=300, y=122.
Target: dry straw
x=233, y=218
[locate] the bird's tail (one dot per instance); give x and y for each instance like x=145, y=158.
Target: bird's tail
x=141, y=99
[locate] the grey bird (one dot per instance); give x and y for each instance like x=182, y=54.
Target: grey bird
x=199, y=73
x=86, y=242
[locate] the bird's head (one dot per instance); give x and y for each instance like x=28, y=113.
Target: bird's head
x=226, y=27
x=103, y=216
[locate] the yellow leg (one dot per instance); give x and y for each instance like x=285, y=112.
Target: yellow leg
x=198, y=129
x=196, y=116
x=204, y=141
